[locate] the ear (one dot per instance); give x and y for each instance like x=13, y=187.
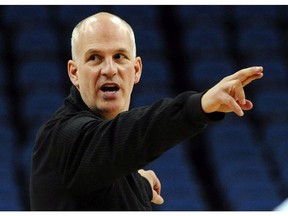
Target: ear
x=138, y=69
x=73, y=73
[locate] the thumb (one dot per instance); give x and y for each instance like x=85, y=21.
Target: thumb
x=157, y=199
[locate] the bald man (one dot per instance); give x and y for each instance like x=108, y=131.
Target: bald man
x=91, y=153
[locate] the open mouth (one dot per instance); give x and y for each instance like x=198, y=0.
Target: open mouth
x=110, y=88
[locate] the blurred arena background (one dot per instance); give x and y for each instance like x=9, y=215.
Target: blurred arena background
x=239, y=164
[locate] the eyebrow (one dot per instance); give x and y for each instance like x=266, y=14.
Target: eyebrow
x=121, y=50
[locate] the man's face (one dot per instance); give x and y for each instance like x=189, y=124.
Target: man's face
x=105, y=69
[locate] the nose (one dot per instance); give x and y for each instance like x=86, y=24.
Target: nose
x=109, y=68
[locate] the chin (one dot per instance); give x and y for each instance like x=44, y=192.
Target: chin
x=109, y=112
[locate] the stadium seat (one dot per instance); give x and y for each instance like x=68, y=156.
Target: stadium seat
x=191, y=15
x=144, y=20
x=204, y=40
x=147, y=15
x=70, y=15
x=2, y=44
x=150, y=42
x=4, y=109
x=253, y=195
x=3, y=77
x=250, y=15
x=155, y=83
x=9, y=199
x=241, y=171
x=180, y=187
x=275, y=73
x=8, y=139
x=38, y=107
x=148, y=97
x=156, y=73
x=206, y=72
x=37, y=42
x=275, y=138
x=271, y=106
x=67, y=17
x=38, y=75
x=17, y=15
x=259, y=41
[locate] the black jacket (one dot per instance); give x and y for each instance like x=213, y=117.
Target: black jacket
x=82, y=162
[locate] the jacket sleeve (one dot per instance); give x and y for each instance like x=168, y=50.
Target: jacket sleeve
x=91, y=153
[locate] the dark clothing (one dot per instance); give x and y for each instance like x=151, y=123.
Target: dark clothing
x=82, y=162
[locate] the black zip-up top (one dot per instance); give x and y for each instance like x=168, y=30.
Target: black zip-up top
x=82, y=162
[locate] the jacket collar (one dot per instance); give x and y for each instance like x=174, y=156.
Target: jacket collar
x=76, y=100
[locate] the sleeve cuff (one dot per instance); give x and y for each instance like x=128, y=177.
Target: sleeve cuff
x=196, y=114
x=147, y=187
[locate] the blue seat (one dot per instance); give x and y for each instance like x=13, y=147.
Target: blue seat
x=206, y=72
x=241, y=135
x=2, y=44
x=4, y=81
x=8, y=139
x=156, y=73
x=149, y=38
x=25, y=157
x=275, y=74
x=147, y=15
x=25, y=14
x=190, y=15
x=155, y=83
x=205, y=41
x=3, y=76
x=72, y=14
x=4, y=109
x=259, y=41
x=253, y=195
x=276, y=133
x=68, y=16
x=241, y=173
x=276, y=138
x=35, y=75
x=271, y=106
x=180, y=187
x=149, y=96
x=37, y=42
x=150, y=42
x=9, y=194
x=38, y=107
x=247, y=15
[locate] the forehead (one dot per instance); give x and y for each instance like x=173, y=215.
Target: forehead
x=104, y=34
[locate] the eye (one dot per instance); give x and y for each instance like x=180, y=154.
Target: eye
x=94, y=57
x=119, y=56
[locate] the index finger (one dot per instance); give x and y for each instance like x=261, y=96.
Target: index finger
x=247, y=75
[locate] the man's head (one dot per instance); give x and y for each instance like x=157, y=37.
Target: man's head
x=104, y=66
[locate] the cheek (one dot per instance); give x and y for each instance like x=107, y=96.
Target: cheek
x=131, y=84
x=88, y=79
